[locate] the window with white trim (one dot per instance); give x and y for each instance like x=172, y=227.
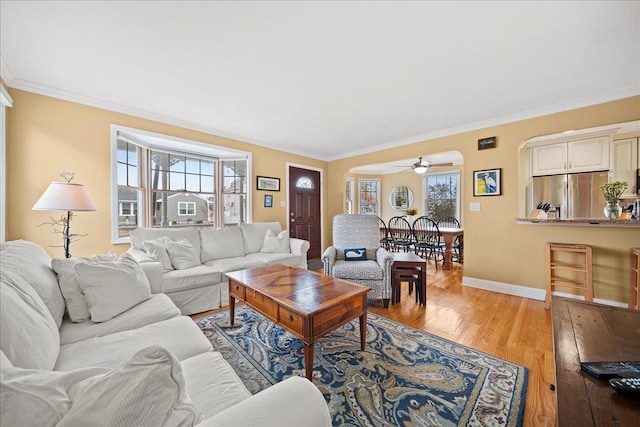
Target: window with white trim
x=349, y=196
x=158, y=186
x=441, y=195
x=369, y=196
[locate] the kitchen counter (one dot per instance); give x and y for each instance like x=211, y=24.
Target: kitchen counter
x=582, y=222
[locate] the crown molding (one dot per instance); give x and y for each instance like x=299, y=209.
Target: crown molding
x=510, y=118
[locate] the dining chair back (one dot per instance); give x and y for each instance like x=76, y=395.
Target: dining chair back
x=384, y=234
x=400, y=234
x=429, y=243
x=457, y=246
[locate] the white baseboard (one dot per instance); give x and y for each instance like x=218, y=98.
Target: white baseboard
x=525, y=292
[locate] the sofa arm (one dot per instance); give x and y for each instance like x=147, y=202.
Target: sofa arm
x=139, y=256
x=293, y=402
x=328, y=259
x=153, y=271
x=299, y=247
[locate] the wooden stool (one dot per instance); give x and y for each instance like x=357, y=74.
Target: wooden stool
x=554, y=266
x=634, y=285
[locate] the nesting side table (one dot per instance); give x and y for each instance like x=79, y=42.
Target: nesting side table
x=408, y=267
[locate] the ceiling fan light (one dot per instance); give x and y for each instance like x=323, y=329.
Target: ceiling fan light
x=420, y=169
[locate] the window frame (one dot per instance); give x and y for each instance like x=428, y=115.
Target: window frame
x=187, y=210
x=425, y=190
x=377, y=204
x=348, y=195
x=147, y=141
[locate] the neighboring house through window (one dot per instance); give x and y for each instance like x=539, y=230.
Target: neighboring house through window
x=161, y=181
x=349, y=196
x=369, y=191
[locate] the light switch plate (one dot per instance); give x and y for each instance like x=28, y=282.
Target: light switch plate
x=474, y=206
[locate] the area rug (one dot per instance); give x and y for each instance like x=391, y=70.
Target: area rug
x=405, y=377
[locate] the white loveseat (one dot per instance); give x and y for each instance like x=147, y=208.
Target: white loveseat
x=57, y=372
x=204, y=286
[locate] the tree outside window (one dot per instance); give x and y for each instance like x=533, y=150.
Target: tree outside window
x=442, y=195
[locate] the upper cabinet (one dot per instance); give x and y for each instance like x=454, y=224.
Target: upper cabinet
x=584, y=155
x=624, y=164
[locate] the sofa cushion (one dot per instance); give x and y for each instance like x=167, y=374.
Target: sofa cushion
x=112, y=288
x=142, y=234
x=221, y=243
x=48, y=398
x=179, y=335
x=276, y=243
x=156, y=309
x=33, y=397
x=147, y=390
x=183, y=254
x=77, y=307
x=275, y=258
x=157, y=250
x=34, y=265
x=253, y=234
x=29, y=336
x=191, y=278
x=4, y=361
x=363, y=270
x=232, y=264
x=212, y=384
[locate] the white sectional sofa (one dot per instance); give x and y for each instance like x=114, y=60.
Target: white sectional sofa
x=200, y=286
x=124, y=370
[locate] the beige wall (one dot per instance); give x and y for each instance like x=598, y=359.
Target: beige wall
x=496, y=248
x=46, y=136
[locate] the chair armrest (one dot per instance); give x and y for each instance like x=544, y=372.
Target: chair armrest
x=384, y=258
x=299, y=247
x=293, y=402
x=153, y=271
x=328, y=259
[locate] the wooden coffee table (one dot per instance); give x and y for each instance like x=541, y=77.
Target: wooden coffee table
x=307, y=304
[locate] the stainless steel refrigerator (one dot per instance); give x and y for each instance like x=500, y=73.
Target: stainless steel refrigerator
x=575, y=195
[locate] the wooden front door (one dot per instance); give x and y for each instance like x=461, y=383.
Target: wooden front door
x=304, y=208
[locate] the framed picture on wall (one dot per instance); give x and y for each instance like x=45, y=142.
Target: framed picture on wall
x=268, y=184
x=268, y=201
x=486, y=143
x=487, y=182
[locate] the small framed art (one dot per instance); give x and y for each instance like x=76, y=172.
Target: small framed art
x=268, y=184
x=486, y=143
x=268, y=201
x=487, y=182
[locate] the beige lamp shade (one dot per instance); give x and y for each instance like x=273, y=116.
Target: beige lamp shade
x=65, y=196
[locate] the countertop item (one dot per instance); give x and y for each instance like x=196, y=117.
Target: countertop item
x=598, y=222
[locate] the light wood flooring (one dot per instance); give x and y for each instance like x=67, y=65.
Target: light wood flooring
x=512, y=328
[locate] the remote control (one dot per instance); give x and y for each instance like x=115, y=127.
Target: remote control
x=626, y=385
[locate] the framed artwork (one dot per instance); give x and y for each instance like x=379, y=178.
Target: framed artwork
x=268, y=201
x=268, y=184
x=485, y=143
x=487, y=182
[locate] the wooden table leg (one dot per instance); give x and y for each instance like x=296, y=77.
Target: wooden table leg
x=423, y=285
x=448, y=251
x=232, y=309
x=363, y=331
x=308, y=360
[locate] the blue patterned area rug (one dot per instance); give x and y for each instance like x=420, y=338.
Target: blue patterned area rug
x=405, y=377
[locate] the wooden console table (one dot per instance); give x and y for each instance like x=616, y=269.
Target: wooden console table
x=588, y=332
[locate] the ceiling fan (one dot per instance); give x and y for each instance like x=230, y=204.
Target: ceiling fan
x=422, y=166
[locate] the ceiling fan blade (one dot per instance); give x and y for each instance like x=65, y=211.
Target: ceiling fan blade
x=441, y=164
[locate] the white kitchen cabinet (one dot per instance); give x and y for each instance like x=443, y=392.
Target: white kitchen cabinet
x=586, y=155
x=624, y=164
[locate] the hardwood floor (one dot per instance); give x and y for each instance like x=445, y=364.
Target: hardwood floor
x=512, y=328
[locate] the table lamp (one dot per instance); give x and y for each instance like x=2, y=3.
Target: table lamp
x=65, y=196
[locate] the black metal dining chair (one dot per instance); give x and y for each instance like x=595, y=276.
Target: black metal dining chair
x=384, y=234
x=428, y=240
x=457, y=247
x=400, y=234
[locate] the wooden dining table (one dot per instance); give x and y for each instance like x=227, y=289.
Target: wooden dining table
x=449, y=235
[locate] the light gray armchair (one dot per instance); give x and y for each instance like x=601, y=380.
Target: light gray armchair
x=355, y=232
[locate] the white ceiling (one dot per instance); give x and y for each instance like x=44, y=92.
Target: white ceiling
x=325, y=79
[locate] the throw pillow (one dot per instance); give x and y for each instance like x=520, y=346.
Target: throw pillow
x=358, y=254
x=29, y=336
x=112, y=288
x=157, y=249
x=148, y=389
x=77, y=307
x=183, y=254
x=273, y=243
